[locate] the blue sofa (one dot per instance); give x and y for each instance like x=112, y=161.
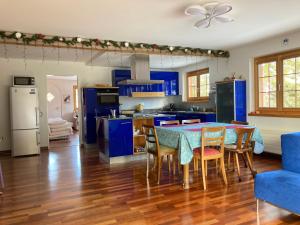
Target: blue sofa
x=282, y=187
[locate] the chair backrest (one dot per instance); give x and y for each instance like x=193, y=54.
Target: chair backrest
x=212, y=136
x=191, y=121
x=290, y=151
x=150, y=137
x=170, y=122
x=239, y=122
x=244, y=136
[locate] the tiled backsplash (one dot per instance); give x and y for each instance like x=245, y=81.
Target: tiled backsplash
x=128, y=103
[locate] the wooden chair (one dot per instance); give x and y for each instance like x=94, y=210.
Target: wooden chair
x=170, y=122
x=252, y=142
x=191, y=121
x=158, y=151
x=242, y=148
x=1, y=181
x=212, y=148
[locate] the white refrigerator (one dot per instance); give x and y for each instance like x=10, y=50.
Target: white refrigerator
x=24, y=110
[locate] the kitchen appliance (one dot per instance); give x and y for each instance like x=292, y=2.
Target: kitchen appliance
x=108, y=96
x=23, y=81
x=24, y=110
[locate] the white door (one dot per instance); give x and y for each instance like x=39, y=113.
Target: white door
x=25, y=142
x=24, y=108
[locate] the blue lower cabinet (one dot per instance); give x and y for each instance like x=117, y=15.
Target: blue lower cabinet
x=120, y=137
x=211, y=117
x=157, y=120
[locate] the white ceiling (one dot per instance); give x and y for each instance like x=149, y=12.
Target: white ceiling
x=95, y=58
x=155, y=21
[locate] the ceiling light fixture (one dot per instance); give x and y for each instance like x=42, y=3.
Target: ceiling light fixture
x=210, y=11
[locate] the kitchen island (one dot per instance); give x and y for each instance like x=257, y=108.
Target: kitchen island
x=121, y=139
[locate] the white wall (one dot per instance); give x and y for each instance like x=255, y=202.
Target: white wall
x=60, y=88
x=87, y=76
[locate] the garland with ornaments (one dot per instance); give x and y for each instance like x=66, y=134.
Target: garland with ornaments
x=53, y=41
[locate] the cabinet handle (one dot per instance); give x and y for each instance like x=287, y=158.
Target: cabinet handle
x=126, y=123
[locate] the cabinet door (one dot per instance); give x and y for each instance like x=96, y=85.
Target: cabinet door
x=120, y=138
x=170, y=78
x=240, y=101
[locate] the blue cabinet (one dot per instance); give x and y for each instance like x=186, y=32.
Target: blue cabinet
x=231, y=101
x=89, y=121
x=90, y=110
x=119, y=75
x=170, y=78
x=158, y=119
x=120, y=137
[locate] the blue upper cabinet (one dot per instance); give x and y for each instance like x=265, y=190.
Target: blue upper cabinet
x=119, y=75
x=171, y=84
x=231, y=101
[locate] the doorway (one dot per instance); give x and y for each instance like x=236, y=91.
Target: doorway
x=63, y=106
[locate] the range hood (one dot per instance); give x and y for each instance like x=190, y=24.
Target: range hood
x=140, y=71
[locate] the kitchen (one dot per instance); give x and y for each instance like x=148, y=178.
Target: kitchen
x=113, y=115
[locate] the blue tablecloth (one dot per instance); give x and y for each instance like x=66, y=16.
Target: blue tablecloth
x=188, y=137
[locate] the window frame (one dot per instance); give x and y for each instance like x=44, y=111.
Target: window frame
x=280, y=110
x=196, y=73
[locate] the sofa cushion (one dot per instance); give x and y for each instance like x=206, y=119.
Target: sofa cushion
x=280, y=188
x=290, y=145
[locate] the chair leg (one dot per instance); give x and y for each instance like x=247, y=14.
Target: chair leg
x=223, y=170
x=203, y=173
x=159, y=167
x=244, y=159
x=205, y=163
x=148, y=159
x=228, y=162
x=155, y=163
x=217, y=166
x=196, y=164
x=237, y=165
x=250, y=164
x=174, y=164
x=169, y=163
x=257, y=212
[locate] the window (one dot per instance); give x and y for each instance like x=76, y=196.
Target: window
x=277, y=83
x=198, y=85
x=75, y=97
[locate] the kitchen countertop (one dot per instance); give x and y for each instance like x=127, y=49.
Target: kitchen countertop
x=193, y=112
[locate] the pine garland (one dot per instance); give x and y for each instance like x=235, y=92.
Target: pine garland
x=30, y=39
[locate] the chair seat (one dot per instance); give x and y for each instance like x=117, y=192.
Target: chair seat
x=163, y=150
x=280, y=188
x=207, y=151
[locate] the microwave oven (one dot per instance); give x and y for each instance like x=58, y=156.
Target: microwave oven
x=23, y=81
x=108, y=96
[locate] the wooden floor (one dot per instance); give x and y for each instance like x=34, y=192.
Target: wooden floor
x=71, y=186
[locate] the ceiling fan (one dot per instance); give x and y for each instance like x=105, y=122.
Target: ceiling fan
x=210, y=11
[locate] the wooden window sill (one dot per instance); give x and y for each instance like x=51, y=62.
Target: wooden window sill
x=275, y=114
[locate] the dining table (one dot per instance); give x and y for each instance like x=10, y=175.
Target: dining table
x=186, y=137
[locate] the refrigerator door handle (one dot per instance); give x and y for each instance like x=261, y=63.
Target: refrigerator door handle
x=36, y=116
x=37, y=135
